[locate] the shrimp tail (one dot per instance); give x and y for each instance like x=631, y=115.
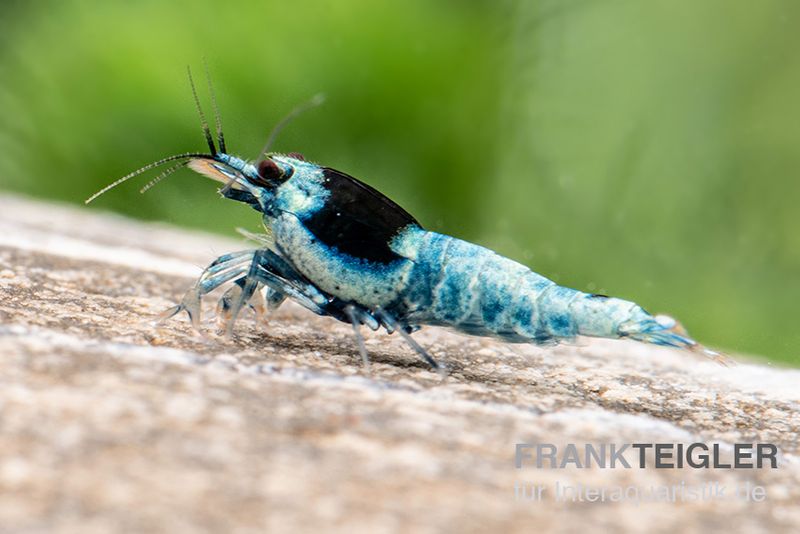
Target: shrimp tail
x=664, y=330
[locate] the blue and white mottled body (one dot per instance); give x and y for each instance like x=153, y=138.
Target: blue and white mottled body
x=340, y=248
x=468, y=287
x=417, y=277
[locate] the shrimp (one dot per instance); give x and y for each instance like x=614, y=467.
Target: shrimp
x=342, y=249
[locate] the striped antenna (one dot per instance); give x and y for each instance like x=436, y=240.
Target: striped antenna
x=167, y=172
x=137, y=172
x=215, y=109
x=203, y=121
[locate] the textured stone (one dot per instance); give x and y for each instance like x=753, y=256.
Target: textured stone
x=109, y=422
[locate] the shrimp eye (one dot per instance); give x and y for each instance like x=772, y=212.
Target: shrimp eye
x=269, y=172
x=296, y=155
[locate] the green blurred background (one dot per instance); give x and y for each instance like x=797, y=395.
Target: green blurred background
x=648, y=150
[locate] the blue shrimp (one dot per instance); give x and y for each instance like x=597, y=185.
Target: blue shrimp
x=342, y=249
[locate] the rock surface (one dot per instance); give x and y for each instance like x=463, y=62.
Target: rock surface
x=108, y=422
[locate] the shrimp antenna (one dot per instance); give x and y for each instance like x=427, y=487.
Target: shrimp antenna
x=167, y=172
x=203, y=122
x=215, y=109
x=315, y=101
x=137, y=172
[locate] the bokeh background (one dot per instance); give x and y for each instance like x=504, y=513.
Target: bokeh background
x=648, y=150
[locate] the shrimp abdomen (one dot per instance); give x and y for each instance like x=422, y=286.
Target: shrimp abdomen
x=472, y=289
x=476, y=291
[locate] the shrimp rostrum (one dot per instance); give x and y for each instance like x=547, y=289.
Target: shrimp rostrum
x=340, y=248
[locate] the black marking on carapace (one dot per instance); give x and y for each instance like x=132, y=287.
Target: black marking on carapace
x=357, y=220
